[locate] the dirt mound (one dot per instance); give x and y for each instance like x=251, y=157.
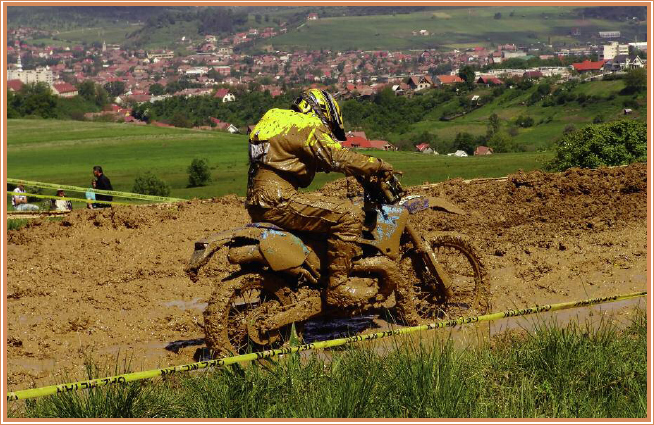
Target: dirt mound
x=108, y=283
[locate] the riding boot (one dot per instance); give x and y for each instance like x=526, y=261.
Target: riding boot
x=344, y=291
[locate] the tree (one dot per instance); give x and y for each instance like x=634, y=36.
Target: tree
x=614, y=143
x=465, y=142
x=498, y=15
x=149, y=184
x=257, y=18
x=635, y=81
x=467, y=73
x=35, y=99
x=86, y=89
x=115, y=88
x=181, y=120
x=156, y=89
x=524, y=121
x=198, y=173
x=493, y=125
x=500, y=142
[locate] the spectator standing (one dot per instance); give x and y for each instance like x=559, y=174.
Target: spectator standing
x=20, y=202
x=90, y=195
x=102, y=183
x=62, y=204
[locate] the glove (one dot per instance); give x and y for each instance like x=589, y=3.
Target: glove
x=384, y=168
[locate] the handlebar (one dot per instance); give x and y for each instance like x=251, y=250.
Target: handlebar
x=383, y=189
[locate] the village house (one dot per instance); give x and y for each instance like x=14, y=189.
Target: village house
x=420, y=82
x=489, y=81
x=224, y=126
x=225, y=95
x=448, y=79
x=624, y=62
x=588, y=66
x=14, y=85
x=64, y=90
x=424, y=148
x=312, y=17
x=483, y=150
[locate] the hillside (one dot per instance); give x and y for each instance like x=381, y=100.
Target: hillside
x=339, y=28
x=452, y=28
x=603, y=100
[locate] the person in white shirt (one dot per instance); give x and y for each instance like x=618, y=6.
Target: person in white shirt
x=20, y=202
x=62, y=204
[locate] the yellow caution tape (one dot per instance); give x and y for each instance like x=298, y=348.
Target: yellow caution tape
x=102, y=192
x=136, y=376
x=88, y=201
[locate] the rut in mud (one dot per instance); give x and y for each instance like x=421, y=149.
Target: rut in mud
x=109, y=284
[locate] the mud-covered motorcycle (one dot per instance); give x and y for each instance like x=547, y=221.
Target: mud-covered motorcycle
x=282, y=275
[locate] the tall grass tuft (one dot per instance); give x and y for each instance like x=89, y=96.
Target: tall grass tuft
x=571, y=371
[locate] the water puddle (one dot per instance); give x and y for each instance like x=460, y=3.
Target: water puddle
x=588, y=315
x=194, y=304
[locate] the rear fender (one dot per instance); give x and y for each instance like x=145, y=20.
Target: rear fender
x=205, y=248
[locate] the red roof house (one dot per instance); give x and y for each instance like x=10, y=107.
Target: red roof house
x=587, y=66
x=491, y=81
x=483, y=150
x=449, y=79
x=14, y=85
x=362, y=143
x=64, y=89
x=422, y=147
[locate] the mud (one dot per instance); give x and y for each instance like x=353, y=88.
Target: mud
x=108, y=285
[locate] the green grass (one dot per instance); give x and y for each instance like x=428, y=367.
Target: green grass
x=449, y=28
x=16, y=223
x=549, y=121
x=571, y=372
x=64, y=152
x=111, y=34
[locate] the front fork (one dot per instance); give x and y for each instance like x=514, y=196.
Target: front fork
x=430, y=260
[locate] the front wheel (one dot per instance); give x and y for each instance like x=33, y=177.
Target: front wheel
x=233, y=311
x=469, y=281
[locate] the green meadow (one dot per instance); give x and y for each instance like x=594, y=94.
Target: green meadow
x=109, y=33
x=549, y=122
x=456, y=27
x=64, y=152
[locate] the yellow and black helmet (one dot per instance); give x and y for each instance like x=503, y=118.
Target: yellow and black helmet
x=325, y=107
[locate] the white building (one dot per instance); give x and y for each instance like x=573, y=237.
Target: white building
x=614, y=49
x=609, y=34
x=639, y=45
x=201, y=70
x=39, y=75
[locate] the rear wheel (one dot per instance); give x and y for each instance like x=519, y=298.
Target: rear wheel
x=234, y=310
x=469, y=282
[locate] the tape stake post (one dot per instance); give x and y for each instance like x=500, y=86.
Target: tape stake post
x=148, y=374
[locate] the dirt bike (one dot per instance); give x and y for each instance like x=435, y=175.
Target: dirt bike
x=282, y=275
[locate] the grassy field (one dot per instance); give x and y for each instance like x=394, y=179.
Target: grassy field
x=549, y=122
x=571, y=372
x=64, y=152
x=113, y=34
x=450, y=28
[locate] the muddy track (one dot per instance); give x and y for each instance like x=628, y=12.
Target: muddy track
x=108, y=284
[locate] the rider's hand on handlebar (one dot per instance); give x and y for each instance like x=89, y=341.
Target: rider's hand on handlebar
x=385, y=169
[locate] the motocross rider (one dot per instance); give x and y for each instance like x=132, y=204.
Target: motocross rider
x=287, y=148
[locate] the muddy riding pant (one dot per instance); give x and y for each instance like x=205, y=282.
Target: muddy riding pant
x=337, y=219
